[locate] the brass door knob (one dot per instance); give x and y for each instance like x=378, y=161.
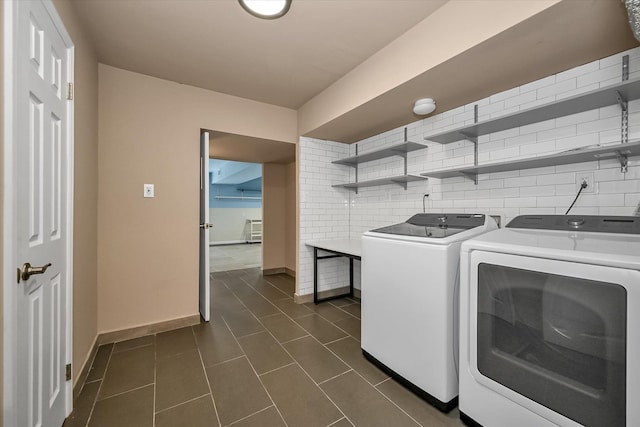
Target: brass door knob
x=27, y=271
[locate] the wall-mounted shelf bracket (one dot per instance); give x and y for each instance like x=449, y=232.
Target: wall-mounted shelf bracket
x=474, y=140
x=402, y=184
x=472, y=176
x=356, y=189
x=624, y=104
x=624, y=161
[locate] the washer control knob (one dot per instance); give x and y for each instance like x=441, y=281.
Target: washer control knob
x=575, y=222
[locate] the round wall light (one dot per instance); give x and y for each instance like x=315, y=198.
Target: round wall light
x=424, y=106
x=266, y=9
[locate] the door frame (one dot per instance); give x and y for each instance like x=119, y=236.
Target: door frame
x=202, y=271
x=9, y=244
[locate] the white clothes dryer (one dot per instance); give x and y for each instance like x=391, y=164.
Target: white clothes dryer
x=550, y=323
x=409, y=300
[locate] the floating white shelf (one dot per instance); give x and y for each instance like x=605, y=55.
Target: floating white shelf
x=603, y=97
x=395, y=150
x=619, y=151
x=400, y=180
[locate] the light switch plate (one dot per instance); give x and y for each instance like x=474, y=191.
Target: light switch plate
x=148, y=190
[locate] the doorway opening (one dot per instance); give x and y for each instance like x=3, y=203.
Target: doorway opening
x=235, y=209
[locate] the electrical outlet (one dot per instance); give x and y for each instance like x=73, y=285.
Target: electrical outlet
x=588, y=178
x=148, y=190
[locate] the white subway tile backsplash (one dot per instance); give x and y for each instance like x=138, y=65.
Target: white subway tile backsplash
x=578, y=71
x=557, y=88
x=537, y=102
x=521, y=99
x=464, y=204
x=520, y=202
x=520, y=181
x=531, y=150
x=327, y=212
x=505, y=192
x=535, y=85
x=631, y=186
x=507, y=153
x=557, y=178
x=602, y=75
x=538, y=190
x=538, y=127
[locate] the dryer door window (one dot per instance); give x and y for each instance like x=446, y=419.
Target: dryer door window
x=558, y=340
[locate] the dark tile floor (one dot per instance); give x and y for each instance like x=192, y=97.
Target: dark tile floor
x=262, y=361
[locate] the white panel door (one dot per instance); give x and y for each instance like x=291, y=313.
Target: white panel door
x=204, y=227
x=41, y=217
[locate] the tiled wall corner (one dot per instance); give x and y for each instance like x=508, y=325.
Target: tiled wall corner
x=324, y=211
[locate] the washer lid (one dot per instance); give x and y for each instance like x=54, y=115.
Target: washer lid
x=434, y=225
x=590, y=223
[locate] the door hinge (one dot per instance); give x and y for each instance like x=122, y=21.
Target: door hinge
x=70, y=91
x=68, y=372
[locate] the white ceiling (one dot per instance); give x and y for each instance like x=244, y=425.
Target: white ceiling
x=216, y=45
x=230, y=172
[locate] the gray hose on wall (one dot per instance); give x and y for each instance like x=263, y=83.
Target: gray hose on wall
x=633, y=10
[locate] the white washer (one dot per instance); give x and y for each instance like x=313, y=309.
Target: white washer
x=550, y=323
x=409, y=300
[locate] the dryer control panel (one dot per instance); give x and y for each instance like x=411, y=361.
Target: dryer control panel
x=587, y=223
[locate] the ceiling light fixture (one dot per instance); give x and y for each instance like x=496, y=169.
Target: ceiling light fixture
x=424, y=106
x=266, y=9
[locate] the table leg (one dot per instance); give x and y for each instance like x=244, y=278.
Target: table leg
x=315, y=275
x=351, y=277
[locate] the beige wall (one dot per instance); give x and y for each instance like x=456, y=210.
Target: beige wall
x=149, y=133
x=274, y=231
x=85, y=214
x=463, y=24
x=290, y=216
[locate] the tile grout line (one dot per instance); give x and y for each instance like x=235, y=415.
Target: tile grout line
x=336, y=340
x=294, y=339
x=206, y=377
x=155, y=378
x=335, y=376
x=254, y=290
x=302, y=369
x=345, y=362
x=294, y=362
x=125, y=392
x=397, y=406
x=271, y=284
x=181, y=403
x=132, y=348
x=251, y=415
x=381, y=382
x=337, y=421
x=254, y=369
x=270, y=315
x=225, y=361
x=93, y=407
x=276, y=369
x=85, y=382
x=250, y=335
